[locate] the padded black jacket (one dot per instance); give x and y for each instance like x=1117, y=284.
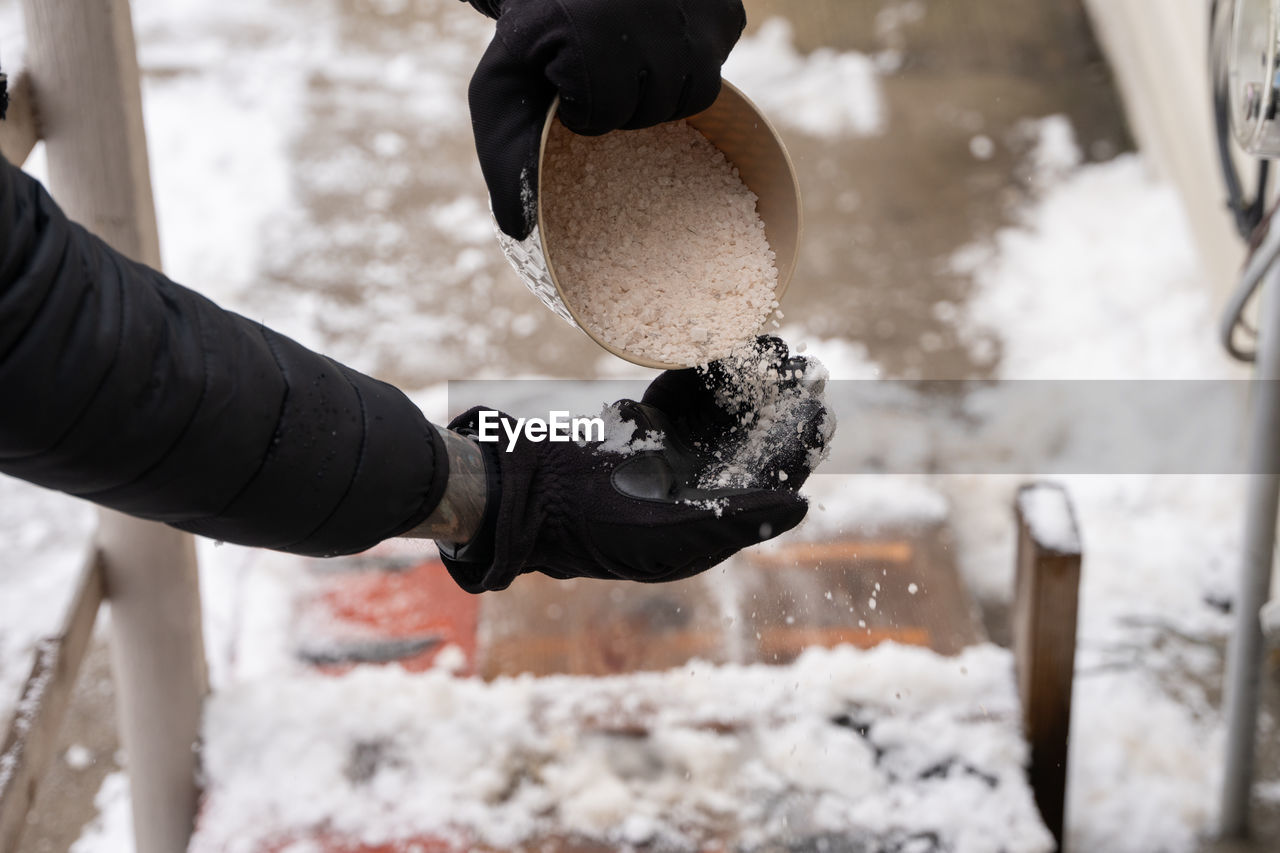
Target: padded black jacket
x=121, y=387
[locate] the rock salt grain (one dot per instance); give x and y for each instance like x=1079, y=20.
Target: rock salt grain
x=620, y=435
x=656, y=242
x=767, y=410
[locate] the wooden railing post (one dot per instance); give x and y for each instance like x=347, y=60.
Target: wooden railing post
x=1044, y=639
x=85, y=74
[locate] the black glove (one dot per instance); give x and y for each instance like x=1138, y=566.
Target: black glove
x=614, y=63
x=757, y=417
x=570, y=510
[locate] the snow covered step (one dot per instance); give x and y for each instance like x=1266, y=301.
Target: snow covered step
x=890, y=748
x=696, y=716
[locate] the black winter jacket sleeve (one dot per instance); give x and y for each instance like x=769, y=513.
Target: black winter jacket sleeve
x=121, y=387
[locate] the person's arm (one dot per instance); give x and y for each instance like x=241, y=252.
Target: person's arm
x=124, y=388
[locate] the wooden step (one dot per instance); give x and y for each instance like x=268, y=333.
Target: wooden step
x=900, y=585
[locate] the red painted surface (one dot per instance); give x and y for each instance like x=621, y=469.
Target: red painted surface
x=421, y=601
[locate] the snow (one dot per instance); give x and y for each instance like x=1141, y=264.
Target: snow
x=982, y=147
x=1270, y=617
x=45, y=536
x=78, y=757
x=620, y=434
x=892, y=742
x=112, y=830
x=1097, y=280
x=1047, y=512
x=1055, y=152
x=824, y=93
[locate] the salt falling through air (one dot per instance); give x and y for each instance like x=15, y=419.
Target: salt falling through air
x=656, y=242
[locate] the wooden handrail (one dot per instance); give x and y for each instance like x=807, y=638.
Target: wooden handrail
x=31, y=742
x=84, y=70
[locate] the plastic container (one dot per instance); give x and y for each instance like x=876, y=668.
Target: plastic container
x=746, y=138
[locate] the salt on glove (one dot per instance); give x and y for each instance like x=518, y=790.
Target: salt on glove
x=758, y=416
x=579, y=510
x=614, y=63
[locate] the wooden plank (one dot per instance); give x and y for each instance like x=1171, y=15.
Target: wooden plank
x=594, y=627
x=897, y=586
x=1045, y=604
x=901, y=585
x=31, y=742
x=894, y=551
x=84, y=64
x=20, y=131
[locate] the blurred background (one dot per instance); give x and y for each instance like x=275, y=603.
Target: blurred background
x=976, y=207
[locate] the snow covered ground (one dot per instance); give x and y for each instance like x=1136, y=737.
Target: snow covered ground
x=1099, y=281
x=1095, y=279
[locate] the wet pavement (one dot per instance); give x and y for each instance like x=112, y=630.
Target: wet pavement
x=415, y=297
x=886, y=213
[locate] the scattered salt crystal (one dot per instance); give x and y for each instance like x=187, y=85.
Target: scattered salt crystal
x=981, y=147
x=620, y=435
x=770, y=413
x=639, y=225
x=716, y=506
x=912, y=588
x=638, y=829
x=78, y=757
x=450, y=659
